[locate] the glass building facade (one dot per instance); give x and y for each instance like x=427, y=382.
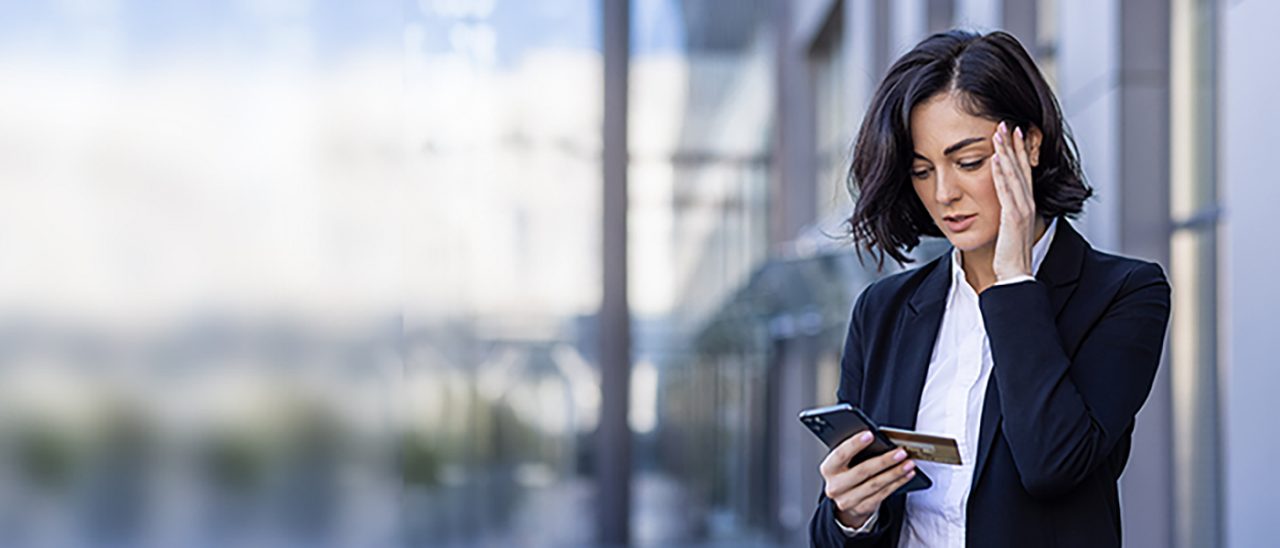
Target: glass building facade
x=740, y=123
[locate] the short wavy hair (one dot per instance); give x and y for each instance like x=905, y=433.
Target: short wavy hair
x=995, y=78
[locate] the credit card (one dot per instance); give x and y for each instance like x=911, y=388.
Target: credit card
x=924, y=446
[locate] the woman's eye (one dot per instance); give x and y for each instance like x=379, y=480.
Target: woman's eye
x=920, y=173
x=971, y=165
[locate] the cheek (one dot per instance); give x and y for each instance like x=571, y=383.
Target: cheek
x=983, y=189
x=924, y=194
x=918, y=185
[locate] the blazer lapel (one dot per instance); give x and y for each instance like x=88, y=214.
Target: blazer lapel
x=1060, y=271
x=918, y=326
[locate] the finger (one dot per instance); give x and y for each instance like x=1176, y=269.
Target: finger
x=1010, y=167
x=885, y=477
x=1001, y=139
x=1020, y=148
x=998, y=176
x=1014, y=187
x=850, y=478
x=850, y=448
x=1013, y=203
x=874, y=466
x=837, y=460
x=1024, y=161
x=868, y=495
x=865, y=470
x=874, y=499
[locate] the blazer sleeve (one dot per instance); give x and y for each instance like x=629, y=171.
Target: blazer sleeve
x=823, y=531
x=1061, y=416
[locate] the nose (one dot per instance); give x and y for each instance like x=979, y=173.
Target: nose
x=945, y=191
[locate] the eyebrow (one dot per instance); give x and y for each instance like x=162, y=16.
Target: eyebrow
x=959, y=145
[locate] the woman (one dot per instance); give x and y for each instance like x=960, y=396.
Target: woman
x=1030, y=348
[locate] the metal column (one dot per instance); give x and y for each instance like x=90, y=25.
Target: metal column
x=1198, y=510
x=613, y=454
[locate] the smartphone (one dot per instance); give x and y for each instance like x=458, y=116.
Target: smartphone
x=835, y=423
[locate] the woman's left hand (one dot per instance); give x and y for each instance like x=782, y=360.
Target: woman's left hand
x=1011, y=170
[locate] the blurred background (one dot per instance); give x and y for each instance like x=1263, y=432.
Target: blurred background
x=553, y=272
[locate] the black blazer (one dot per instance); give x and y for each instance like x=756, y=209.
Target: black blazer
x=1075, y=353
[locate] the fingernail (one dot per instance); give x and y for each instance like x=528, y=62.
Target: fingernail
x=900, y=455
x=1000, y=138
x=1003, y=128
x=908, y=466
x=865, y=437
x=1018, y=132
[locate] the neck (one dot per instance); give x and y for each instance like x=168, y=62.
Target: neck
x=979, y=269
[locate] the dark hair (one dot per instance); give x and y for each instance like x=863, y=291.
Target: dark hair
x=995, y=79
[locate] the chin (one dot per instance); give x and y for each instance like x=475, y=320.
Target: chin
x=969, y=241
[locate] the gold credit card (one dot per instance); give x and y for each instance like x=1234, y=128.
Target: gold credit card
x=923, y=446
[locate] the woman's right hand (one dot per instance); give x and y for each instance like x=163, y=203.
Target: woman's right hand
x=858, y=491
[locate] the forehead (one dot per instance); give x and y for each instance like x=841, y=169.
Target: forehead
x=940, y=122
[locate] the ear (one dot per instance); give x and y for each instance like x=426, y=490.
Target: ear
x=1033, y=139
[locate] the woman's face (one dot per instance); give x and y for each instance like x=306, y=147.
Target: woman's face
x=951, y=171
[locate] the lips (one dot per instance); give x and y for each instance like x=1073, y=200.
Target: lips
x=959, y=222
